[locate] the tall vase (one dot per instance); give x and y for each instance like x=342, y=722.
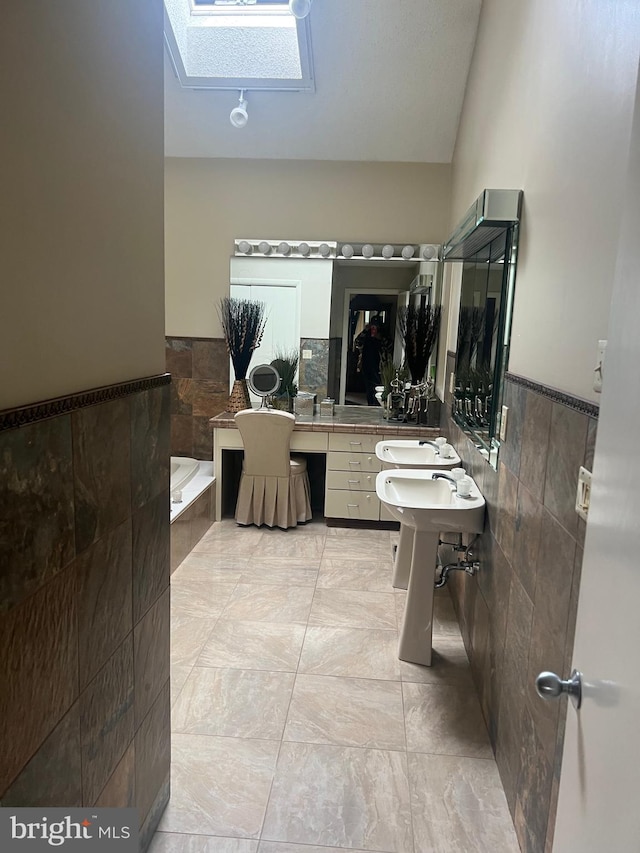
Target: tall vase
x=239, y=398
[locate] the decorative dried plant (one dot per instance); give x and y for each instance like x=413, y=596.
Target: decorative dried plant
x=243, y=322
x=286, y=363
x=419, y=328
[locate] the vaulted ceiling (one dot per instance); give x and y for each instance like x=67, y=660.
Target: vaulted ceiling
x=390, y=78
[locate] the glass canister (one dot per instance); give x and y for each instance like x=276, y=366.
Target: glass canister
x=327, y=407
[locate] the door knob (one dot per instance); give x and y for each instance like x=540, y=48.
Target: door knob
x=551, y=686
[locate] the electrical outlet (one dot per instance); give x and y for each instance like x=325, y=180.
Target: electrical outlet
x=307, y=354
x=452, y=382
x=583, y=494
x=503, y=423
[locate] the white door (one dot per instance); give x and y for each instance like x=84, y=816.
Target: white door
x=282, y=329
x=598, y=806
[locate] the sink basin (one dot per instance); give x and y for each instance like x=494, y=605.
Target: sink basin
x=414, y=499
x=424, y=507
x=409, y=453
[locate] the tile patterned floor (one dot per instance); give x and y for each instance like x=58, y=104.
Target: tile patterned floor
x=296, y=729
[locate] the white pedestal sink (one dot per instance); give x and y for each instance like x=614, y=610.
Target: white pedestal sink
x=410, y=453
x=427, y=507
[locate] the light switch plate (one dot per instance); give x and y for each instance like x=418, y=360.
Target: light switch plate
x=452, y=382
x=583, y=494
x=307, y=353
x=598, y=372
x=503, y=423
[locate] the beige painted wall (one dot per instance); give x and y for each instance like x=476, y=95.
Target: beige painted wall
x=81, y=235
x=548, y=109
x=211, y=202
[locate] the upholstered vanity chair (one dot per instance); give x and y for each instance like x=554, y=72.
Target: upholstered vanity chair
x=274, y=488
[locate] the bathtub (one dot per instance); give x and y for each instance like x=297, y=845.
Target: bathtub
x=189, y=479
x=183, y=470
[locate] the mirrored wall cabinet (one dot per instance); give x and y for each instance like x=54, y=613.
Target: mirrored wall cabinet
x=485, y=243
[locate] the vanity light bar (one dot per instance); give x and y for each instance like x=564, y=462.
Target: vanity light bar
x=332, y=249
x=285, y=248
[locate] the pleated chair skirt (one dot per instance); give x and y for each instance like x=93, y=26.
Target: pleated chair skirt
x=275, y=501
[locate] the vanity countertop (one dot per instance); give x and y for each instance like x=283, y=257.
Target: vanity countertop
x=363, y=419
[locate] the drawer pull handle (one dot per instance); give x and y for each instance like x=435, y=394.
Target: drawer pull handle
x=352, y=506
x=355, y=442
x=353, y=481
x=354, y=463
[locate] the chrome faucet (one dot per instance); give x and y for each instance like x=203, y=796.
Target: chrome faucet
x=440, y=475
x=427, y=441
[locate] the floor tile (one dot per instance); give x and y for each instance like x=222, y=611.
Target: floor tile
x=286, y=571
x=346, y=712
x=215, y=566
x=242, y=542
x=233, y=703
x=271, y=646
x=358, y=534
x=445, y=719
x=179, y=675
x=202, y=598
x=219, y=785
x=458, y=805
x=285, y=847
x=366, y=575
x=297, y=547
x=188, y=636
x=359, y=548
x=172, y=842
x=340, y=797
x=354, y=652
x=357, y=609
x=449, y=664
x=269, y=603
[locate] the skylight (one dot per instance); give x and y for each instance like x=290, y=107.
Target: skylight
x=227, y=45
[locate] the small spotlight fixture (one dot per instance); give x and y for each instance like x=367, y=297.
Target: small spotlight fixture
x=239, y=115
x=407, y=252
x=367, y=250
x=347, y=251
x=324, y=250
x=300, y=8
x=429, y=252
x=387, y=251
x=264, y=248
x=284, y=248
x=304, y=249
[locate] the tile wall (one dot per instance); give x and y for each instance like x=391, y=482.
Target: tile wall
x=84, y=601
x=518, y=614
x=191, y=525
x=199, y=368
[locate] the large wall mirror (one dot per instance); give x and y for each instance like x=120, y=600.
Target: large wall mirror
x=319, y=302
x=486, y=245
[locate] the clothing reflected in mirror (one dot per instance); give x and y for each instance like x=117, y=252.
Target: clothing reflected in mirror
x=372, y=345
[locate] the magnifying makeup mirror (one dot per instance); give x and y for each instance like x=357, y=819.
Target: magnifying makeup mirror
x=263, y=380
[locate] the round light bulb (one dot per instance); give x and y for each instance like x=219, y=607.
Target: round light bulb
x=429, y=253
x=304, y=249
x=245, y=247
x=387, y=251
x=324, y=249
x=367, y=250
x=284, y=248
x=299, y=8
x=347, y=251
x=408, y=252
x=264, y=248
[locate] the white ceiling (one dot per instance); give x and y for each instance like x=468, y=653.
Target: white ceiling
x=390, y=79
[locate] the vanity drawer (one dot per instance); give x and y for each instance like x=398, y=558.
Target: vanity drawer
x=337, y=461
x=353, y=442
x=354, y=481
x=343, y=504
